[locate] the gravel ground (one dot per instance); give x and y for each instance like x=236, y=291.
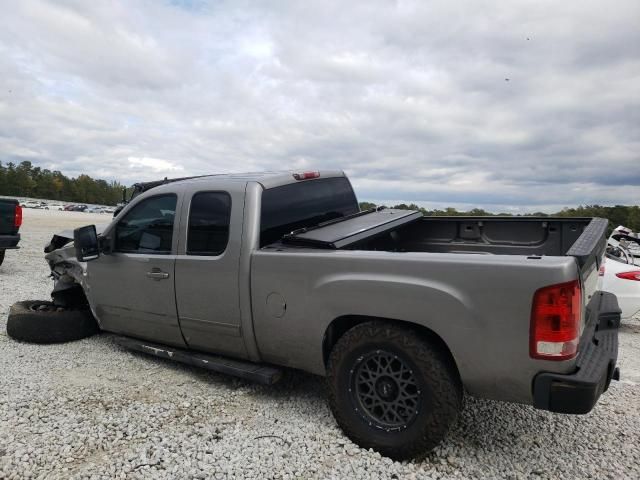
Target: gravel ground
x=91, y=409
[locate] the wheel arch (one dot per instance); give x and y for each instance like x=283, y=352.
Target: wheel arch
x=341, y=325
x=69, y=295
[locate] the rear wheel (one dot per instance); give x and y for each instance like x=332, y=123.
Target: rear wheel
x=39, y=321
x=392, y=390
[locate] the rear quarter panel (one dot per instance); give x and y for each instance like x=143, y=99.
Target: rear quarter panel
x=479, y=305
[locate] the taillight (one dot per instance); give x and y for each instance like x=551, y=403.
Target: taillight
x=555, y=321
x=635, y=275
x=306, y=175
x=17, y=216
x=601, y=271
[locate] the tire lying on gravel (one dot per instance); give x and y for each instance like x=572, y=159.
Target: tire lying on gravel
x=392, y=390
x=39, y=321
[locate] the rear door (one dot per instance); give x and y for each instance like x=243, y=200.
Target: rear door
x=132, y=288
x=207, y=269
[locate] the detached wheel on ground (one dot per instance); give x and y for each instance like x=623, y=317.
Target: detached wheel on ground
x=39, y=321
x=392, y=390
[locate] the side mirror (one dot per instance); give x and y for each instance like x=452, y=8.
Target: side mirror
x=85, y=240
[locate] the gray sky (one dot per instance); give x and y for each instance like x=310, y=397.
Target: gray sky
x=510, y=106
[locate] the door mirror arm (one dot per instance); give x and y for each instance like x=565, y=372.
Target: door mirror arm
x=105, y=245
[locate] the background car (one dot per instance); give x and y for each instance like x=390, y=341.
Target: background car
x=625, y=244
x=75, y=208
x=623, y=280
x=54, y=206
x=32, y=204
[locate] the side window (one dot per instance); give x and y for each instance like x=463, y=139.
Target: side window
x=208, y=223
x=148, y=227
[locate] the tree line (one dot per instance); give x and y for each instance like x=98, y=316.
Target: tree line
x=27, y=180
x=627, y=215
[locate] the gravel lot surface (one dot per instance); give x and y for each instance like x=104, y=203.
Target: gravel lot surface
x=91, y=409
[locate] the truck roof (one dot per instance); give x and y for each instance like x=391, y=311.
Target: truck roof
x=266, y=179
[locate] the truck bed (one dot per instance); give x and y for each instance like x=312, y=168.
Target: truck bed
x=408, y=231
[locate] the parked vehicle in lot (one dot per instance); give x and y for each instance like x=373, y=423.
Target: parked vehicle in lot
x=54, y=206
x=10, y=222
x=620, y=273
x=624, y=247
x=622, y=279
x=245, y=274
x=76, y=208
x=33, y=204
x=628, y=242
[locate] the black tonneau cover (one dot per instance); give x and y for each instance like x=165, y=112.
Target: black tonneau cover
x=345, y=231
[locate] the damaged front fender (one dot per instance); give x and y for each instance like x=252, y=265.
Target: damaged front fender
x=69, y=275
x=70, y=278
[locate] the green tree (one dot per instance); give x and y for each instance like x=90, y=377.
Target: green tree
x=27, y=180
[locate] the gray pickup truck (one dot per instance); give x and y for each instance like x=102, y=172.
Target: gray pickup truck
x=402, y=313
x=10, y=222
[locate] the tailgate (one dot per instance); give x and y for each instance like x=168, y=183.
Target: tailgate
x=588, y=250
x=7, y=217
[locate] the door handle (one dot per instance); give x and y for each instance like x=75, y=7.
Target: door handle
x=157, y=274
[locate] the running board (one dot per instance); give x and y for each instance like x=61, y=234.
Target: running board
x=254, y=372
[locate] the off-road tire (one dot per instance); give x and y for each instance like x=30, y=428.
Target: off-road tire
x=39, y=321
x=435, y=379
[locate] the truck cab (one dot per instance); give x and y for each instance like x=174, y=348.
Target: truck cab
x=179, y=255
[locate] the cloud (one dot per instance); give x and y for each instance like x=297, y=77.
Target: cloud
x=153, y=165
x=410, y=98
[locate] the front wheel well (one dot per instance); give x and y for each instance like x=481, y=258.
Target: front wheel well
x=73, y=296
x=339, y=326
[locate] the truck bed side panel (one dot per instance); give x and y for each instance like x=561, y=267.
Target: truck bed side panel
x=484, y=321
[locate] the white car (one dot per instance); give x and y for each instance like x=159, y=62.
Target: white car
x=626, y=245
x=54, y=206
x=623, y=280
x=32, y=204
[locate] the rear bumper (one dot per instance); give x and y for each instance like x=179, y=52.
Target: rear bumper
x=579, y=391
x=9, y=241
